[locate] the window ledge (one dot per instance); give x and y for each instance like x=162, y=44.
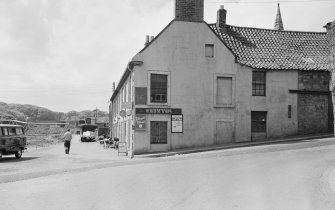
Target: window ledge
x=158, y=104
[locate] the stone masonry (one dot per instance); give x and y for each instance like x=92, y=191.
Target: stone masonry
x=313, y=102
x=331, y=37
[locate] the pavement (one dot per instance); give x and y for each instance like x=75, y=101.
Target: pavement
x=233, y=145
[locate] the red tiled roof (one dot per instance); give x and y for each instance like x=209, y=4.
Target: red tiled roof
x=273, y=49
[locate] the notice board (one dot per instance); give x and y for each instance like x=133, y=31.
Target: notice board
x=140, y=122
x=177, y=123
x=122, y=148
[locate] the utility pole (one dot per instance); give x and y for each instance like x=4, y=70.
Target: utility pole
x=96, y=115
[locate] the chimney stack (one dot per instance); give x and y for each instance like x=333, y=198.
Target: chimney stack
x=113, y=86
x=189, y=10
x=147, y=40
x=221, y=17
x=331, y=41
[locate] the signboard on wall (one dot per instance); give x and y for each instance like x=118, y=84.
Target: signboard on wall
x=158, y=111
x=140, y=122
x=177, y=123
x=122, y=113
x=122, y=148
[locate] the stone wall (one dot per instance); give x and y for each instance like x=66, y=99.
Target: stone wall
x=314, y=107
x=331, y=38
x=313, y=80
x=312, y=114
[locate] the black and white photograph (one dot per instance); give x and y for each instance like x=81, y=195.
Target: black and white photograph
x=167, y=104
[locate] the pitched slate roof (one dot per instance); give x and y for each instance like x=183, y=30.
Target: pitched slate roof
x=277, y=50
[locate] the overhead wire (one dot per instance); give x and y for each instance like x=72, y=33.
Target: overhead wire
x=265, y=2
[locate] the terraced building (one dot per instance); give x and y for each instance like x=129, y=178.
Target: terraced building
x=198, y=84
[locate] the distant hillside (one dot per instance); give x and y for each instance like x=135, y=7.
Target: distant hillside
x=34, y=113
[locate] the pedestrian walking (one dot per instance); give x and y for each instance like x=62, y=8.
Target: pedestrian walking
x=67, y=141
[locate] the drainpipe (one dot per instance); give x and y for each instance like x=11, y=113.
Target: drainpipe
x=130, y=68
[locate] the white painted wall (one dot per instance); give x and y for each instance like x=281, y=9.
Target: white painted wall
x=180, y=50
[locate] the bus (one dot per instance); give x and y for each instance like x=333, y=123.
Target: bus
x=12, y=140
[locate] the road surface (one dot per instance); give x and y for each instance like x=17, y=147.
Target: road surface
x=296, y=175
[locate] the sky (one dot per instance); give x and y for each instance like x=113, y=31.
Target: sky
x=65, y=54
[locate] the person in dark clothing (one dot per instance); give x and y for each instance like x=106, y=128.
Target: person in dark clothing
x=67, y=141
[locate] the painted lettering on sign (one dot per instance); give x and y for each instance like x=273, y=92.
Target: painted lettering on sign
x=157, y=111
x=177, y=118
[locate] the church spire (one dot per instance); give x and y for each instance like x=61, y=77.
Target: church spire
x=279, y=22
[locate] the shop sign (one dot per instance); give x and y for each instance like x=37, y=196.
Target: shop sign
x=177, y=123
x=140, y=122
x=157, y=111
x=122, y=113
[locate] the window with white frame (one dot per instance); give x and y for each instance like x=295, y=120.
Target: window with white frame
x=158, y=87
x=5, y=131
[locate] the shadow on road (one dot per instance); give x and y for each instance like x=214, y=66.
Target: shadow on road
x=13, y=160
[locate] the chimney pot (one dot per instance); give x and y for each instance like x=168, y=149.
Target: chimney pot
x=147, y=40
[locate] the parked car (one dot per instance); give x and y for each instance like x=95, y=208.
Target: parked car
x=12, y=140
